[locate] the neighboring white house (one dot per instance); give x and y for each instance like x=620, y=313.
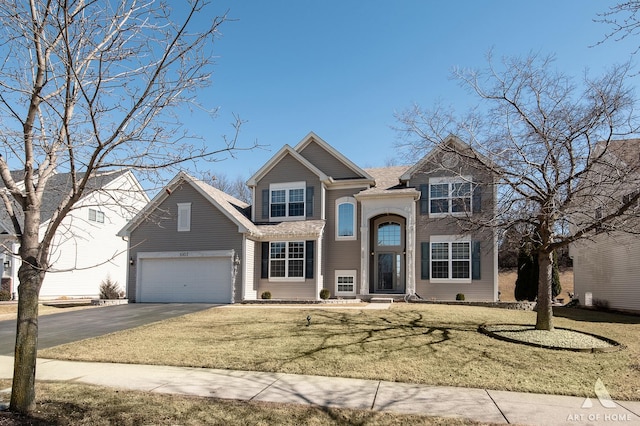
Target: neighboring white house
x=86, y=249
x=606, y=265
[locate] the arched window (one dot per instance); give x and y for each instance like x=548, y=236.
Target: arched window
x=346, y=218
x=389, y=234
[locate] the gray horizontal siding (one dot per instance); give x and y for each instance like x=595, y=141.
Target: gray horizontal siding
x=326, y=162
x=340, y=255
x=288, y=170
x=289, y=291
x=210, y=230
x=426, y=226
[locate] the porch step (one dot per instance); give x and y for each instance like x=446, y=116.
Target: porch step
x=381, y=300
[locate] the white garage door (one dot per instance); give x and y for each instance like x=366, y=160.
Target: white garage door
x=204, y=279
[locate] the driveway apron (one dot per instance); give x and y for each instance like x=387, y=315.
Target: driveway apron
x=66, y=327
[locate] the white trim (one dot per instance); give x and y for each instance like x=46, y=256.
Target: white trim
x=353, y=273
x=287, y=187
x=450, y=181
x=178, y=255
x=286, y=260
x=450, y=239
x=352, y=201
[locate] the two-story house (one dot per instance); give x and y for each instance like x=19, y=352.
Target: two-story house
x=85, y=250
x=320, y=221
x=606, y=270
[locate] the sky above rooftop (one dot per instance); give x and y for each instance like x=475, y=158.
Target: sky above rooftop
x=342, y=69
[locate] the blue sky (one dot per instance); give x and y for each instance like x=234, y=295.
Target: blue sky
x=343, y=68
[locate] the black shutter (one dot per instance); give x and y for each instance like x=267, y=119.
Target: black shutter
x=424, y=261
x=265, y=204
x=424, y=199
x=308, y=258
x=264, y=269
x=477, y=198
x=309, y=201
x=475, y=260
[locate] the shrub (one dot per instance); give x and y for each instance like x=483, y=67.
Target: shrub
x=324, y=294
x=460, y=296
x=110, y=289
x=265, y=295
x=5, y=295
x=601, y=304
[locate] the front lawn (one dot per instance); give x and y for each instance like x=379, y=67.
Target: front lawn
x=432, y=344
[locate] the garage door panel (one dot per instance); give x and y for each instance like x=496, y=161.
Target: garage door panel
x=185, y=280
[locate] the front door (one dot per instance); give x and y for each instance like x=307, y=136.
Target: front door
x=388, y=255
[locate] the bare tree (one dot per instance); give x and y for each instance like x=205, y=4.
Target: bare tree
x=564, y=174
x=624, y=20
x=87, y=86
x=235, y=187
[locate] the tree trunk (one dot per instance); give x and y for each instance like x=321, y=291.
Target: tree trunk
x=24, y=369
x=544, y=308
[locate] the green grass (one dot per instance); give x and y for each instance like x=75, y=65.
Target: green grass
x=75, y=404
x=431, y=344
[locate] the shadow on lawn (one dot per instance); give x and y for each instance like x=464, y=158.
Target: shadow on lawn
x=382, y=334
x=591, y=315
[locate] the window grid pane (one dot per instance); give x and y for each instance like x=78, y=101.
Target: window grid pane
x=389, y=234
x=278, y=196
x=460, y=269
x=296, y=268
x=296, y=195
x=296, y=209
x=440, y=251
x=277, y=268
x=278, y=251
x=460, y=251
x=345, y=284
x=296, y=250
x=286, y=259
x=439, y=269
x=277, y=210
x=439, y=190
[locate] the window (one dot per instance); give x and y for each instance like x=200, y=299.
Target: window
x=286, y=260
x=184, y=217
x=346, y=282
x=96, y=216
x=450, y=196
x=450, y=259
x=287, y=200
x=389, y=234
x=345, y=218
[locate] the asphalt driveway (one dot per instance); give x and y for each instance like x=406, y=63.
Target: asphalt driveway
x=65, y=327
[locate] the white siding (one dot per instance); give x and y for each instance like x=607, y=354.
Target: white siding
x=250, y=291
x=608, y=268
x=84, y=253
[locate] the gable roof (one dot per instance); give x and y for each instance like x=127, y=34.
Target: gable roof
x=388, y=182
x=312, y=137
x=451, y=143
x=231, y=207
x=56, y=189
x=626, y=150
x=285, y=150
x=296, y=153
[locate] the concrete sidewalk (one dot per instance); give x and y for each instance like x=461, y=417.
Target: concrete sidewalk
x=482, y=405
